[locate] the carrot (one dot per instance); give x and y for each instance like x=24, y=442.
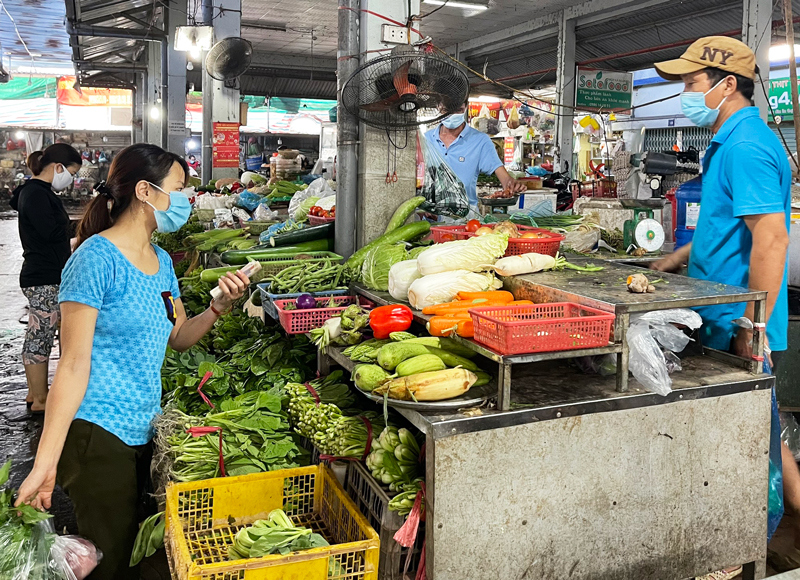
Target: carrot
x=466, y=328
x=520, y=303
x=492, y=296
x=442, y=326
x=455, y=306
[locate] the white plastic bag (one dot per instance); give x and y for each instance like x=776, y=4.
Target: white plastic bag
x=264, y=214
x=319, y=188
x=647, y=361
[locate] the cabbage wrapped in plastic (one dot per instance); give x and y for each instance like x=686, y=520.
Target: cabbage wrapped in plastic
x=401, y=275
x=443, y=287
x=473, y=254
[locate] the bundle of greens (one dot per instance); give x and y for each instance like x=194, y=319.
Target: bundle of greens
x=174, y=242
x=275, y=535
x=242, y=355
x=256, y=437
x=343, y=329
x=322, y=411
x=395, y=458
x=366, y=352
x=403, y=502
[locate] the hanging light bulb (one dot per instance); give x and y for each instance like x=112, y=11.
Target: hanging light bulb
x=189, y=65
x=155, y=112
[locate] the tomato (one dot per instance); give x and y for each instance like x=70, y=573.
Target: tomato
x=473, y=225
x=534, y=235
x=448, y=238
x=482, y=231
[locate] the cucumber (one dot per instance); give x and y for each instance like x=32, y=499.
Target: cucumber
x=448, y=344
x=451, y=359
x=402, y=234
x=305, y=235
x=264, y=251
x=402, y=213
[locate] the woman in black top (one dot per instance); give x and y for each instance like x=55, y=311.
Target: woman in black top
x=44, y=231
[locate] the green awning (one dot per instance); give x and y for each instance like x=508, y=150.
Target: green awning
x=28, y=88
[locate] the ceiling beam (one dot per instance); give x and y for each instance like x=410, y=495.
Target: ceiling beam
x=286, y=61
x=112, y=8
x=131, y=12
x=587, y=12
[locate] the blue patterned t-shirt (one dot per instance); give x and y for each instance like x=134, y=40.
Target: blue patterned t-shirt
x=136, y=314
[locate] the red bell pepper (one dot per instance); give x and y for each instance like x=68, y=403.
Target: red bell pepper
x=385, y=320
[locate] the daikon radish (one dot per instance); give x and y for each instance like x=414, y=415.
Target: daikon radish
x=524, y=264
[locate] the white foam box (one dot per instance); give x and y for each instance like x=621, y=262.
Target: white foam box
x=531, y=199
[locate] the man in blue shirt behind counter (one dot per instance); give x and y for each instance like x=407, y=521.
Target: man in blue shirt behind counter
x=742, y=234
x=469, y=152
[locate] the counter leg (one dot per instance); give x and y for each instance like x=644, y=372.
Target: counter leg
x=759, y=317
x=323, y=364
x=754, y=570
x=621, y=335
x=504, y=387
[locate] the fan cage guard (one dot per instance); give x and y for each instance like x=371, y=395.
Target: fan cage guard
x=400, y=99
x=229, y=58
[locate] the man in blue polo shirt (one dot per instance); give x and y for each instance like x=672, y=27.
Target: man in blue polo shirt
x=468, y=153
x=742, y=234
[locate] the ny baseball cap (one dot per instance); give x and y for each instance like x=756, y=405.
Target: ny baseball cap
x=721, y=52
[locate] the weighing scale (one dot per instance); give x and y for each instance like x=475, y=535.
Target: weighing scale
x=643, y=231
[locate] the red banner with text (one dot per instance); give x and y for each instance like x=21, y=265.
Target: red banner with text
x=225, y=147
x=90, y=96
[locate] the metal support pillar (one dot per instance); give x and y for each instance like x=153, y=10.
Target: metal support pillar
x=757, y=34
x=225, y=101
x=565, y=90
x=153, y=98
x=175, y=93
x=208, y=95
x=137, y=117
x=377, y=199
x=347, y=134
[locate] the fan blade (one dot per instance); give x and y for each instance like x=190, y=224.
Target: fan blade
x=383, y=105
x=401, y=82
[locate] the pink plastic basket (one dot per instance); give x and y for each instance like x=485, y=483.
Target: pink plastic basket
x=547, y=327
x=301, y=321
x=319, y=221
x=545, y=245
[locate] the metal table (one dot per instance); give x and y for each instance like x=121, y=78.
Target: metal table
x=579, y=480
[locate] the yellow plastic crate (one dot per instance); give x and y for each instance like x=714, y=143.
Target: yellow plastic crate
x=203, y=517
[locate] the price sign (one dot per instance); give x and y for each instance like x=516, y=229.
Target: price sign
x=780, y=98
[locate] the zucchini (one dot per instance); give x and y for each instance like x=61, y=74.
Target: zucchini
x=402, y=234
x=304, y=235
x=424, y=363
x=402, y=213
x=264, y=251
x=450, y=359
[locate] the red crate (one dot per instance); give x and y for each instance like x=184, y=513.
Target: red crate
x=548, y=245
x=547, y=327
x=301, y=321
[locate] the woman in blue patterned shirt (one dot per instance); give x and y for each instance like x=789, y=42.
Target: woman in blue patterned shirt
x=121, y=307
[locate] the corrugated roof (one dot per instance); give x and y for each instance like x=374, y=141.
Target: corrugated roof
x=41, y=26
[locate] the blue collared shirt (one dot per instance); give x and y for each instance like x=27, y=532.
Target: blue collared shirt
x=745, y=172
x=470, y=154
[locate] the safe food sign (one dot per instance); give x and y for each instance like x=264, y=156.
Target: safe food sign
x=603, y=90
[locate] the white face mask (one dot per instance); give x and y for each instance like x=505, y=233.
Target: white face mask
x=61, y=180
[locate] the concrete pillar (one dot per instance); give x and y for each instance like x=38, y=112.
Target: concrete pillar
x=153, y=109
x=757, y=34
x=565, y=90
x=377, y=200
x=224, y=101
x=176, y=83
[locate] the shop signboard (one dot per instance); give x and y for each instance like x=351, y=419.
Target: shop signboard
x=780, y=98
x=225, y=146
x=508, y=151
x=603, y=90
x=90, y=96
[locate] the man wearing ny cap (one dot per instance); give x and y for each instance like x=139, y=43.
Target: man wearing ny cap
x=742, y=233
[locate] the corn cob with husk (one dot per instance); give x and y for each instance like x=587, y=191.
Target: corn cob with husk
x=430, y=386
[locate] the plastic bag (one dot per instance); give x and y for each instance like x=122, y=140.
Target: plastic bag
x=248, y=200
x=264, y=214
x=327, y=203
x=582, y=241
x=40, y=554
x=319, y=188
x=513, y=118
x=790, y=433
x=444, y=193
x=647, y=335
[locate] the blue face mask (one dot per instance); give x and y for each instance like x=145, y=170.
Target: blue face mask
x=177, y=213
x=695, y=109
x=454, y=121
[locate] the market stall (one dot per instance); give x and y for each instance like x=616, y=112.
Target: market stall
x=532, y=438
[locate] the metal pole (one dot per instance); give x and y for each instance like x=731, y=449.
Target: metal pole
x=347, y=132
x=787, y=18
x=208, y=95
x=164, y=96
